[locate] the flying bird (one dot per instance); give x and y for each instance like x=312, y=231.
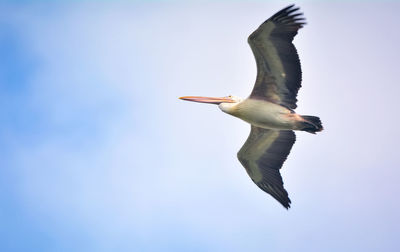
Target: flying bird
x=270, y=107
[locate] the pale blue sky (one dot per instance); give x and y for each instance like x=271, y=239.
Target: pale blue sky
x=98, y=154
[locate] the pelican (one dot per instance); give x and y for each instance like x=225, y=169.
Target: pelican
x=270, y=107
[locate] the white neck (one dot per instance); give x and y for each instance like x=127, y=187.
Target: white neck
x=228, y=108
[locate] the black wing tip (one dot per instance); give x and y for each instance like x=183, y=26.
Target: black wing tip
x=286, y=206
x=288, y=19
x=289, y=16
x=277, y=192
x=285, y=203
x=284, y=200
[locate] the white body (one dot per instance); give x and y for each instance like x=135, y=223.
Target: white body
x=263, y=114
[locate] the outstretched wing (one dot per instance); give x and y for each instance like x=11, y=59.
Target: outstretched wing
x=263, y=155
x=278, y=65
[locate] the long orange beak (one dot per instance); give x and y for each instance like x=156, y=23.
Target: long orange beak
x=212, y=100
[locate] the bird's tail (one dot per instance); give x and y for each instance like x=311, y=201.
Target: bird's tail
x=311, y=124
